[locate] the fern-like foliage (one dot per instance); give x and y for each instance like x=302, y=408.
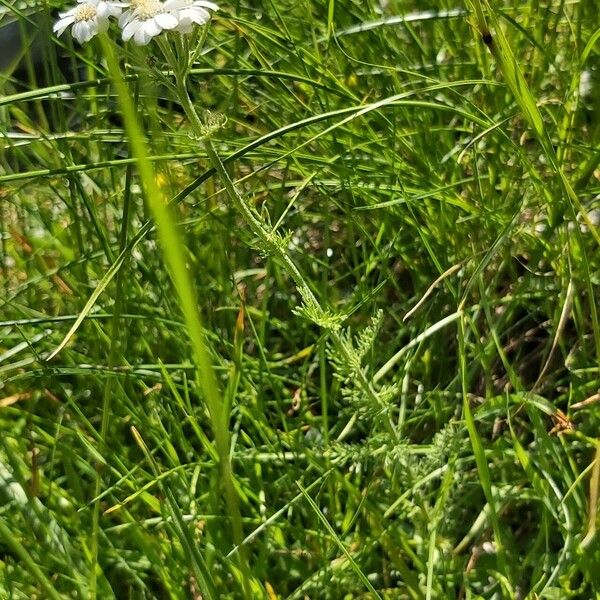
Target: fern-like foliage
x=347, y=355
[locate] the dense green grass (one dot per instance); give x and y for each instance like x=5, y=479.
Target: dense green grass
x=395, y=397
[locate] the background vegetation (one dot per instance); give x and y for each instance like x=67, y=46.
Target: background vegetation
x=439, y=198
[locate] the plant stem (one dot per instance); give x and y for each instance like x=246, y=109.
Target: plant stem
x=269, y=241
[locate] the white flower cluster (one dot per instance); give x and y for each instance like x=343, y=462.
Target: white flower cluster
x=139, y=20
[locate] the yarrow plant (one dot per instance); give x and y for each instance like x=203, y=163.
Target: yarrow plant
x=140, y=20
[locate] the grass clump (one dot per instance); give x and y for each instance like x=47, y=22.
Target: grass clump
x=310, y=314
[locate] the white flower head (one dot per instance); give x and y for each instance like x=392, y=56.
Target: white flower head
x=193, y=12
x=146, y=19
x=87, y=19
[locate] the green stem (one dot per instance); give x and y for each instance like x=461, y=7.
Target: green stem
x=269, y=241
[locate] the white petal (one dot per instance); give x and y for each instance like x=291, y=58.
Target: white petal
x=151, y=27
x=80, y=31
x=114, y=10
x=199, y=16
x=171, y=5
x=141, y=38
x=130, y=29
x=125, y=18
x=67, y=13
x=90, y=29
x=185, y=24
x=93, y=28
x=166, y=21
x=206, y=4
x=62, y=24
x=102, y=10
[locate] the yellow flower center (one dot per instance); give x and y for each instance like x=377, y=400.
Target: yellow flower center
x=85, y=12
x=146, y=9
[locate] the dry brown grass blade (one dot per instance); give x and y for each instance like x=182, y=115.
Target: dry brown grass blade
x=564, y=315
x=14, y=398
